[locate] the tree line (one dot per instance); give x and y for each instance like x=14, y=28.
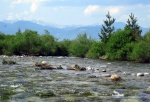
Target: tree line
x=124, y=44
x=30, y=43
x=121, y=44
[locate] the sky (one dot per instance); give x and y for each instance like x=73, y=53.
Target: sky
x=75, y=12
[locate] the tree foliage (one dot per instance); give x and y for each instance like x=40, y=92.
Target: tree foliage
x=107, y=29
x=141, y=52
x=147, y=36
x=117, y=45
x=133, y=26
x=97, y=49
x=80, y=45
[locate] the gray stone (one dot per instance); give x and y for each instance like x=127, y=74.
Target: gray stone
x=44, y=62
x=115, y=77
x=139, y=74
x=146, y=74
x=105, y=75
x=103, y=70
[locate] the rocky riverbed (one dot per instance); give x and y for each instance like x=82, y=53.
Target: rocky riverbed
x=25, y=82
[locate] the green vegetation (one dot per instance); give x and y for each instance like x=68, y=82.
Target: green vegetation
x=117, y=46
x=107, y=29
x=121, y=44
x=97, y=49
x=135, y=32
x=81, y=45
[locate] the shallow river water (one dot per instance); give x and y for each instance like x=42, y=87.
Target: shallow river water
x=24, y=82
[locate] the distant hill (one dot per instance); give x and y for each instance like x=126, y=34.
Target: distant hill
x=68, y=32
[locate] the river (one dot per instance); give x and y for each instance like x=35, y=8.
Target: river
x=24, y=82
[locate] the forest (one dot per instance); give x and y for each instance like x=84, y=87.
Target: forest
x=121, y=44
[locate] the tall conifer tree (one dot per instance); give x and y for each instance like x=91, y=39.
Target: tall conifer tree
x=133, y=27
x=107, y=29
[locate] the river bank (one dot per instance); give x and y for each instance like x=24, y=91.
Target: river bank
x=26, y=82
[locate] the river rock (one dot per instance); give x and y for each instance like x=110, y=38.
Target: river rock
x=44, y=63
x=104, y=70
x=71, y=67
x=105, y=75
x=76, y=67
x=82, y=69
x=139, y=74
x=115, y=77
x=59, y=67
x=146, y=74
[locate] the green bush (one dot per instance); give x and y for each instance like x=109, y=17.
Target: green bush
x=63, y=47
x=48, y=45
x=80, y=46
x=116, y=46
x=7, y=45
x=147, y=36
x=97, y=49
x=141, y=52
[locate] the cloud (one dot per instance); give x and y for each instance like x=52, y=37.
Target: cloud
x=33, y=7
x=23, y=15
x=74, y=12
x=34, y=4
x=15, y=2
x=10, y=16
x=96, y=9
x=91, y=9
x=114, y=10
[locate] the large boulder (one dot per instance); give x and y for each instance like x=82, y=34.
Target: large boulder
x=115, y=78
x=76, y=67
x=44, y=65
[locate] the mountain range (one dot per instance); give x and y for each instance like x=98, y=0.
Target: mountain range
x=66, y=32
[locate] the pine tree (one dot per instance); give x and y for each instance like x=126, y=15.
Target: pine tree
x=107, y=29
x=133, y=27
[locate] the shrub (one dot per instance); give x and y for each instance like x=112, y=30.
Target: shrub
x=81, y=45
x=97, y=50
x=63, y=47
x=147, y=36
x=116, y=46
x=48, y=45
x=141, y=52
